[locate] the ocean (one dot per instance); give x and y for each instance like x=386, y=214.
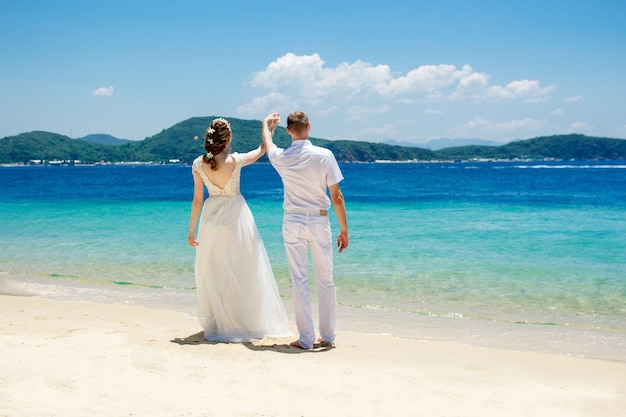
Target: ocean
x=513, y=255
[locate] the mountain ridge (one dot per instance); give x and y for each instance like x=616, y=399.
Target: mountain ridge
x=437, y=144
x=178, y=143
x=105, y=139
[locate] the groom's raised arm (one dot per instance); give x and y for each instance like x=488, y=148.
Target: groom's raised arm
x=267, y=130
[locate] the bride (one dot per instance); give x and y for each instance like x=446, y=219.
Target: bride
x=238, y=297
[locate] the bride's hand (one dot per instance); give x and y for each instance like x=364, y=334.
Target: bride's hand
x=272, y=120
x=191, y=240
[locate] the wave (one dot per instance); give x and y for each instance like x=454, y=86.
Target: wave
x=563, y=167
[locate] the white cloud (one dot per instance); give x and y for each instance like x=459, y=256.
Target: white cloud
x=358, y=95
x=266, y=104
x=578, y=127
x=479, y=127
x=425, y=82
x=360, y=114
x=306, y=77
x=557, y=112
x=476, y=87
x=103, y=91
x=376, y=134
x=308, y=80
x=572, y=99
x=328, y=111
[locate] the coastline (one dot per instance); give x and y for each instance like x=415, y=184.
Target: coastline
x=588, y=342
x=64, y=358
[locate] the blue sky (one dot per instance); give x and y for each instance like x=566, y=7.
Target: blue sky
x=403, y=70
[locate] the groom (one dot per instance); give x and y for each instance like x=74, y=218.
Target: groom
x=307, y=172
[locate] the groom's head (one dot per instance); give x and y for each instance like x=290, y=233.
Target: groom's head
x=298, y=125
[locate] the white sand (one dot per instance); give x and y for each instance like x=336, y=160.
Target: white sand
x=81, y=359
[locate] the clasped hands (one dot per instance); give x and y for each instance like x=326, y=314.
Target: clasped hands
x=272, y=120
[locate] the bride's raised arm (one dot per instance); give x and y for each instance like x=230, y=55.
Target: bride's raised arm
x=253, y=155
x=267, y=130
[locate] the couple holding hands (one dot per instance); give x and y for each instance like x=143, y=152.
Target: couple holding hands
x=238, y=297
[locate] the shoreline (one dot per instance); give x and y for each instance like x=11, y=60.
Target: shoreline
x=110, y=359
x=598, y=162
x=567, y=341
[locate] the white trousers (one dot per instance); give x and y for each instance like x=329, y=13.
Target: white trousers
x=303, y=232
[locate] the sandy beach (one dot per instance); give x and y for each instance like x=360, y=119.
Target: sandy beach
x=77, y=359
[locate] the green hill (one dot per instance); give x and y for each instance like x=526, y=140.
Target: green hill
x=104, y=139
x=565, y=147
x=177, y=143
x=51, y=146
x=352, y=151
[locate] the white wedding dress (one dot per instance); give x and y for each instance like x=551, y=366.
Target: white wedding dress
x=238, y=297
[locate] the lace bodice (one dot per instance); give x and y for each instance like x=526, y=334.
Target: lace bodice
x=232, y=186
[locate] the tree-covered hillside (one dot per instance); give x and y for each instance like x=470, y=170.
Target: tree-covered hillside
x=104, y=139
x=51, y=146
x=177, y=144
x=351, y=151
x=574, y=146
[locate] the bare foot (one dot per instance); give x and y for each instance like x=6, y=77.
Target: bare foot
x=325, y=343
x=296, y=344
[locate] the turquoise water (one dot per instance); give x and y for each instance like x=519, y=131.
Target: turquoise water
x=519, y=256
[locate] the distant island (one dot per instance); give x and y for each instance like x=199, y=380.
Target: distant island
x=183, y=142
x=436, y=144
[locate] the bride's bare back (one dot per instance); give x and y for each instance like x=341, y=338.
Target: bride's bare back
x=222, y=174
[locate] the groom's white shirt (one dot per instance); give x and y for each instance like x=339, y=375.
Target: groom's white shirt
x=306, y=171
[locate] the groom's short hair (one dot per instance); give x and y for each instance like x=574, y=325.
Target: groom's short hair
x=297, y=121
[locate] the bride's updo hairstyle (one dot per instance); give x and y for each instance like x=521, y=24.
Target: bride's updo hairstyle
x=216, y=140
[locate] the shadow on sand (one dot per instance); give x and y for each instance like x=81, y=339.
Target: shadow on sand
x=271, y=345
